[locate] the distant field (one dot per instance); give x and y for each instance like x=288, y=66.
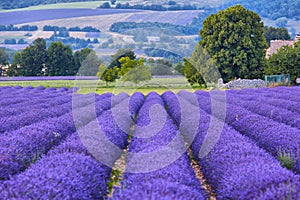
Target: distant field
x=20, y=17
x=103, y=22
x=87, y=4
x=173, y=17
x=11, y=35
x=159, y=85
x=14, y=46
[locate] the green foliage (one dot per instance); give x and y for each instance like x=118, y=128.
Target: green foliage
x=3, y=57
x=272, y=33
x=80, y=56
x=89, y=66
x=180, y=68
x=107, y=74
x=31, y=61
x=57, y=60
x=134, y=70
x=285, y=61
x=113, y=180
x=128, y=64
x=115, y=59
x=60, y=60
x=191, y=73
x=286, y=160
x=124, y=27
x=161, y=67
x=234, y=39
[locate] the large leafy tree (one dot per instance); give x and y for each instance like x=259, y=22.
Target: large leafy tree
x=234, y=38
x=32, y=59
x=201, y=67
x=60, y=60
x=90, y=65
x=79, y=57
x=285, y=61
x=115, y=59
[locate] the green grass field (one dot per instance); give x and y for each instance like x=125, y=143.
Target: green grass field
x=87, y=4
x=158, y=85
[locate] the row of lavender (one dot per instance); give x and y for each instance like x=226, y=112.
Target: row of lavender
x=47, y=160
x=234, y=166
x=273, y=128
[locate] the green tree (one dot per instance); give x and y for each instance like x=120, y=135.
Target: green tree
x=120, y=54
x=234, y=39
x=127, y=64
x=32, y=59
x=108, y=75
x=60, y=60
x=80, y=56
x=89, y=66
x=16, y=67
x=138, y=74
x=3, y=59
x=134, y=70
x=272, y=33
x=192, y=75
x=285, y=61
x=180, y=68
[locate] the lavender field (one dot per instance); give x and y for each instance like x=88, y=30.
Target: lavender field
x=57, y=144
x=20, y=17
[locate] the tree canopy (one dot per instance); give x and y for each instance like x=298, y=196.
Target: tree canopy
x=57, y=60
x=272, y=33
x=234, y=39
x=115, y=59
x=285, y=61
x=134, y=70
x=107, y=74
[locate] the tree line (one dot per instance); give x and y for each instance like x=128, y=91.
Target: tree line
x=21, y=28
x=172, y=6
x=123, y=27
x=56, y=60
x=71, y=29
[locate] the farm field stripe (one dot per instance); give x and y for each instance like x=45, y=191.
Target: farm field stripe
x=33, y=103
x=274, y=113
x=280, y=140
x=71, y=162
x=237, y=168
x=276, y=93
x=20, y=17
x=118, y=170
x=31, y=116
x=282, y=103
x=175, y=180
x=167, y=96
x=26, y=145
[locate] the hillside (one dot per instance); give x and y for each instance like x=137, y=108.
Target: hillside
x=12, y=4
